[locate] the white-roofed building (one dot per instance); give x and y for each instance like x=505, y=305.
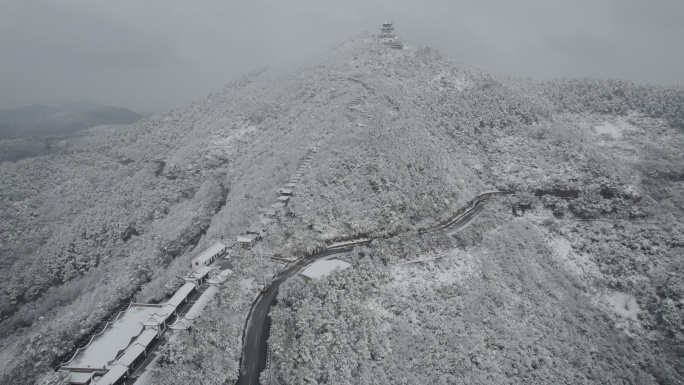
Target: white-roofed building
x=81, y=378
x=283, y=199
x=220, y=278
x=132, y=356
x=284, y=191
x=181, y=297
x=116, y=337
x=160, y=320
x=248, y=240
x=198, y=276
x=209, y=255
x=116, y=375
x=147, y=339
x=181, y=324
x=196, y=310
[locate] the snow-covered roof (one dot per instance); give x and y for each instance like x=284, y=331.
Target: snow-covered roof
x=181, y=324
x=157, y=318
x=210, y=252
x=201, y=303
x=181, y=294
x=131, y=354
x=278, y=205
x=290, y=185
x=113, y=375
x=247, y=238
x=196, y=309
x=199, y=274
x=146, y=337
x=80, y=377
x=283, y=198
x=220, y=278
x=115, y=338
x=285, y=191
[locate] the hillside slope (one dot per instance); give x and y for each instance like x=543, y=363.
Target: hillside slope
x=420, y=136
x=404, y=140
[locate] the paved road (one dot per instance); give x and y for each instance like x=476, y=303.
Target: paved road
x=466, y=219
x=254, y=346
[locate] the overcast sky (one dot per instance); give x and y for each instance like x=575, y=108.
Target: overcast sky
x=153, y=55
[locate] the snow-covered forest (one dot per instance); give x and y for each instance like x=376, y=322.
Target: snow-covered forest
x=576, y=278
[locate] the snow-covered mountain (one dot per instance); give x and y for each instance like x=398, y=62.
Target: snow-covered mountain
x=530, y=293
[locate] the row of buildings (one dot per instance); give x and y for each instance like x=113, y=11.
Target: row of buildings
x=115, y=354
x=112, y=356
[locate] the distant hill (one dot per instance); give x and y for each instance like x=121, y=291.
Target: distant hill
x=42, y=120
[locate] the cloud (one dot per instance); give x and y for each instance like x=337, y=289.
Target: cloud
x=157, y=54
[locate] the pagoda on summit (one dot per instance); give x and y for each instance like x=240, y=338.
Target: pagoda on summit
x=388, y=37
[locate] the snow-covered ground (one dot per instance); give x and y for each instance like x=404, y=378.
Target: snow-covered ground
x=323, y=268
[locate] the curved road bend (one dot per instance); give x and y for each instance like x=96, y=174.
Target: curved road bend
x=468, y=217
x=254, y=345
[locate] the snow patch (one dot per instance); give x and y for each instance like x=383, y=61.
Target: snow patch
x=247, y=284
x=454, y=266
x=623, y=304
x=616, y=127
x=610, y=129
x=579, y=265
x=322, y=268
x=383, y=314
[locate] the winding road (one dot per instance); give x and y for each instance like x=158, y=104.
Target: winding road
x=254, y=344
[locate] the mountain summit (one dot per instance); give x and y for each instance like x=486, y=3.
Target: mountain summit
x=573, y=277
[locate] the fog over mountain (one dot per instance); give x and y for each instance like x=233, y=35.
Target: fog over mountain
x=155, y=55
x=574, y=276
x=31, y=130
x=42, y=120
